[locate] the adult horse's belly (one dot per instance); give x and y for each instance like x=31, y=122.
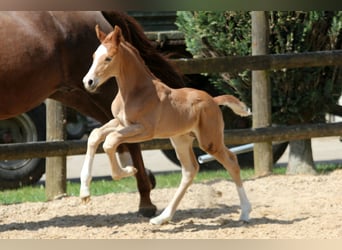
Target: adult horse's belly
x=29, y=61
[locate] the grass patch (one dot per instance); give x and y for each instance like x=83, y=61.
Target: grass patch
x=36, y=193
x=25, y=194
x=327, y=168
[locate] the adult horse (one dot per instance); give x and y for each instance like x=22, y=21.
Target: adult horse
x=46, y=54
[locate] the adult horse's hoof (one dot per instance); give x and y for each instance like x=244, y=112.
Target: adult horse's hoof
x=148, y=211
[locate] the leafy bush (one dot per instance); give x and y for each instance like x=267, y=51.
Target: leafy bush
x=298, y=95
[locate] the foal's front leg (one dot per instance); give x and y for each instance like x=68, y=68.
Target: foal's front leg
x=97, y=136
x=132, y=133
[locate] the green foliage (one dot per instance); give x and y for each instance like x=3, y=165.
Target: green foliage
x=214, y=34
x=207, y=32
x=298, y=95
x=303, y=95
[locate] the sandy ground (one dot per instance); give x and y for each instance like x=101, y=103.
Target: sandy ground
x=285, y=207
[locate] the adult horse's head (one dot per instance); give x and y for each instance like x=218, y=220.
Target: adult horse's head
x=103, y=66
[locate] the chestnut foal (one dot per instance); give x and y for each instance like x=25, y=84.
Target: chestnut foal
x=145, y=108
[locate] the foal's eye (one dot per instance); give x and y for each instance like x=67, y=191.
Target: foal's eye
x=108, y=59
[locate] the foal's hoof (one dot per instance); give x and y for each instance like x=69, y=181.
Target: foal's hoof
x=131, y=170
x=85, y=200
x=125, y=172
x=159, y=220
x=244, y=218
x=245, y=213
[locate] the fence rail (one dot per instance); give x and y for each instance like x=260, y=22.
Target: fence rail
x=232, y=137
x=259, y=62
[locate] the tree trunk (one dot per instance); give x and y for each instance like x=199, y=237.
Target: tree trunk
x=300, y=158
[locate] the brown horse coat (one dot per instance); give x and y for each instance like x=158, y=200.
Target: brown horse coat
x=145, y=108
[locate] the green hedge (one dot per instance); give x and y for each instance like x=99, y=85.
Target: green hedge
x=298, y=95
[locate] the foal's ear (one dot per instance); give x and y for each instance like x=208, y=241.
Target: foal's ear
x=118, y=37
x=99, y=33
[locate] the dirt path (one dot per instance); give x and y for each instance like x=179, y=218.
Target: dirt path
x=283, y=207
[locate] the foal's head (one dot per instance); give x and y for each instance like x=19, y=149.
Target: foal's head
x=103, y=66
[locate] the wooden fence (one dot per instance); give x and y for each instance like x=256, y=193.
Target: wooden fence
x=209, y=65
x=237, y=136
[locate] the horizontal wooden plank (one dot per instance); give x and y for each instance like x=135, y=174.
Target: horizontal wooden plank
x=232, y=137
x=258, y=62
x=283, y=133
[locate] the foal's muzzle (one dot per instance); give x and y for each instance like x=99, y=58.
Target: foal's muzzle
x=89, y=84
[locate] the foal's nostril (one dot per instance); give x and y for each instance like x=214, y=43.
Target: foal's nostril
x=90, y=82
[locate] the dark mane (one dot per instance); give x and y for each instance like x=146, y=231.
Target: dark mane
x=158, y=64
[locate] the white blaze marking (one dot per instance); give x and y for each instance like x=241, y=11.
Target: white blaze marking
x=100, y=51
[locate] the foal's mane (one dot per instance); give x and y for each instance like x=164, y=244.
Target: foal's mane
x=138, y=56
x=156, y=63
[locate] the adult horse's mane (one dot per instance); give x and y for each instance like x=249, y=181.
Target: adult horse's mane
x=156, y=62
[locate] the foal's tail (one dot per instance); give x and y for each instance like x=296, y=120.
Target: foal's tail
x=232, y=102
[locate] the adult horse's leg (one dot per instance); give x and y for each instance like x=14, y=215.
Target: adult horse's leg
x=145, y=181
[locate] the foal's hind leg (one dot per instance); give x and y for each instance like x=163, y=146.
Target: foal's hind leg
x=229, y=161
x=96, y=136
x=185, y=154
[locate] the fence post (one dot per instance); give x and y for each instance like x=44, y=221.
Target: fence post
x=261, y=94
x=55, y=166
